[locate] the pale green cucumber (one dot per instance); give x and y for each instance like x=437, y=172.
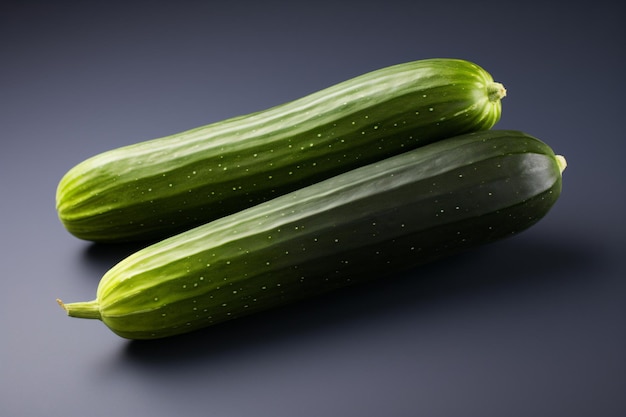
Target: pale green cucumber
x=156, y=188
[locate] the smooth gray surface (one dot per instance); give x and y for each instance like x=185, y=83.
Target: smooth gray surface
x=535, y=325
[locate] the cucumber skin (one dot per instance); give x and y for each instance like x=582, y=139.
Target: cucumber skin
x=369, y=223
x=154, y=189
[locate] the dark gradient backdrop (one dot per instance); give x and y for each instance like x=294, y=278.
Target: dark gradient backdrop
x=532, y=326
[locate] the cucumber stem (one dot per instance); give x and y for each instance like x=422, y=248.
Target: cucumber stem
x=496, y=91
x=561, y=162
x=83, y=310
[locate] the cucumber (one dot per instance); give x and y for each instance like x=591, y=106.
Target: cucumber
x=154, y=189
x=409, y=209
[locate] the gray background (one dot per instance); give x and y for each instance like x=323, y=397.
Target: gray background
x=534, y=325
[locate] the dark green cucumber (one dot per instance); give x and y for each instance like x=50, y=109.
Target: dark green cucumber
x=373, y=221
x=156, y=188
